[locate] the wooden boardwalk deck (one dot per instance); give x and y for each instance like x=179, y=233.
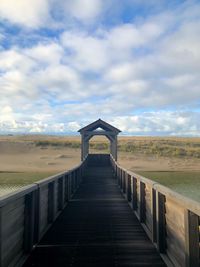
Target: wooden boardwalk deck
x=96, y=229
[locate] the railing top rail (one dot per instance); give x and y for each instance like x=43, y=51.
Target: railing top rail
x=4, y=200
x=184, y=201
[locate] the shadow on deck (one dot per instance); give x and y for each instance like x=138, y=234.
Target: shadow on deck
x=97, y=228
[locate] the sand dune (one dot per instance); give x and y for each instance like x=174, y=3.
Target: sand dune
x=22, y=153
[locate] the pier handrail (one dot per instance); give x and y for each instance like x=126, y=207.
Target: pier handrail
x=171, y=220
x=26, y=214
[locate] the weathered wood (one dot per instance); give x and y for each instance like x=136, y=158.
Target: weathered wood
x=29, y=220
x=60, y=193
x=148, y=207
x=36, y=237
x=12, y=231
x=154, y=220
x=97, y=228
x=142, y=203
x=51, y=202
x=161, y=223
x=124, y=182
x=24, y=217
x=66, y=188
x=128, y=188
x=107, y=130
x=134, y=193
x=192, y=227
x=43, y=208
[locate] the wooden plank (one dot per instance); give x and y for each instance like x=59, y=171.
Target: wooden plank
x=175, y=254
x=29, y=219
x=66, y=188
x=129, y=188
x=12, y=232
x=192, y=239
x=161, y=224
x=124, y=182
x=97, y=228
x=51, y=202
x=37, y=216
x=1, y=239
x=148, y=207
x=134, y=193
x=154, y=212
x=142, y=203
x=43, y=208
x=60, y=193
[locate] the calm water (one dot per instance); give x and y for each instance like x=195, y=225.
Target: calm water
x=6, y=189
x=185, y=183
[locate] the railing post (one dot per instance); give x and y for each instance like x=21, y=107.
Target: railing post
x=134, y=190
x=118, y=175
x=37, y=216
x=121, y=178
x=51, y=202
x=60, y=193
x=70, y=185
x=154, y=221
x=124, y=182
x=128, y=187
x=192, y=239
x=1, y=238
x=142, y=203
x=66, y=188
x=161, y=223
x=29, y=219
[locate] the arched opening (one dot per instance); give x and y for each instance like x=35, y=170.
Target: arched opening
x=99, y=128
x=99, y=145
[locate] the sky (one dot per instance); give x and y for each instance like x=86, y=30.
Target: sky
x=132, y=63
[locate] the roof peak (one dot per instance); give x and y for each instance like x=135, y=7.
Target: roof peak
x=99, y=123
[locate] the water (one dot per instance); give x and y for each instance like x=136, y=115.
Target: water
x=9, y=188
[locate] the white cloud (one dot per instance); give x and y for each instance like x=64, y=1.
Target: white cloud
x=13, y=59
x=128, y=36
x=111, y=71
x=26, y=13
x=88, y=52
x=49, y=53
x=7, y=117
x=73, y=126
x=165, y=122
x=84, y=9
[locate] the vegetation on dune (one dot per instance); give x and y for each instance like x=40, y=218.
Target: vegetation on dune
x=183, y=147
x=162, y=148
x=69, y=144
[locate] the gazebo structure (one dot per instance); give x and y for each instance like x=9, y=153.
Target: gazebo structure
x=92, y=129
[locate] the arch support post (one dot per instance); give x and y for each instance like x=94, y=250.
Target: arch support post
x=113, y=146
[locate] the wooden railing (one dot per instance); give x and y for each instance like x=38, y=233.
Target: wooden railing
x=171, y=220
x=25, y=215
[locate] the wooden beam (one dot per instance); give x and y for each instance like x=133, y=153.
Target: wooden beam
x=192, y=240
x=161, y=223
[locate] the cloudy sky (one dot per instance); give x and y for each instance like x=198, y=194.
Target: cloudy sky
x=133, y=63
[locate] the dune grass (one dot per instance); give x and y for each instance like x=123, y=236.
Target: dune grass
x=166, y=147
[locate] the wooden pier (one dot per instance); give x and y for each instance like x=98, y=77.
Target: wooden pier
x=98, y=214
x=97, y=228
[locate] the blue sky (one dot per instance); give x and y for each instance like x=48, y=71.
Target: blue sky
x=133, y=63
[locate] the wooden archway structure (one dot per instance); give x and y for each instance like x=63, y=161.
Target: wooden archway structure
x=91, y=130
